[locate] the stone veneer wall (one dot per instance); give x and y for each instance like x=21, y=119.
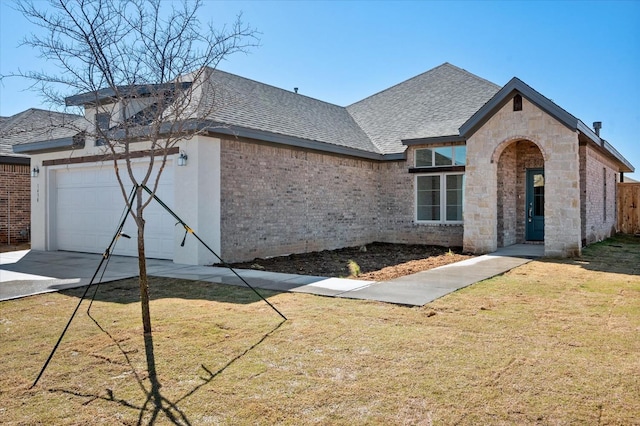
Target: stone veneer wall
x=599, y=210
x=277, y=200
x=559, y=147
x=15, y=203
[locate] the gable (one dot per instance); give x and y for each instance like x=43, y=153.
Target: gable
x=433, y=104
x=517, y=87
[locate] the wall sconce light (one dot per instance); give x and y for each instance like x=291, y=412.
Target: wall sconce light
x=35, y=172
x=182, y=159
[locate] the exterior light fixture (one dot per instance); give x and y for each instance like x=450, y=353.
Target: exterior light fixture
x=182, y=159
x=35, y=172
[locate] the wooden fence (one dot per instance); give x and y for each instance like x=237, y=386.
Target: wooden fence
x=629, y=208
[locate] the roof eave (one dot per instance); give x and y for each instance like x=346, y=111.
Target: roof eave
x=608, y=149
x=265, y=136
x=434, y=140
x=109, y=95
x=52, y=145
x=9, y=159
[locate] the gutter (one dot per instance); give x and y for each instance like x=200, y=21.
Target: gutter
x=7, y=159
x=142, y=133
x=300, y=143
x=61, y=144
x=434, y=140
x=604, y=145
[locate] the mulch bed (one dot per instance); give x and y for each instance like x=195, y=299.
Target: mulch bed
x=376, y=261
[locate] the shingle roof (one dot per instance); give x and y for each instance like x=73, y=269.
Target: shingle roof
x=435, y=103
x=253, y=105
x=33, y=125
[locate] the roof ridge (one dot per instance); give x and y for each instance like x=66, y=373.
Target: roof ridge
x=275, y=87
x=346, y=128
x=430, y=71
x=477, y=77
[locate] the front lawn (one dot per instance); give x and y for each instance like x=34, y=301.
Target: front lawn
x=551, y=342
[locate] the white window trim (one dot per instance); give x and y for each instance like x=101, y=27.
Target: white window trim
x=443, y=199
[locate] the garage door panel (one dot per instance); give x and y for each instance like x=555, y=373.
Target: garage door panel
x=90, y=205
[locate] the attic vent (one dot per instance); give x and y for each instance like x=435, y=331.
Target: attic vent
x=517, y=103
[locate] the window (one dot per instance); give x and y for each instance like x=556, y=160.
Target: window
x=439, y=198
x=441, y=156
x=103, y=120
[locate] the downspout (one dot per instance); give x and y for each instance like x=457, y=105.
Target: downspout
x=8, y=217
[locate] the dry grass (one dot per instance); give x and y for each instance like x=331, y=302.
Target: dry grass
x=552, y=342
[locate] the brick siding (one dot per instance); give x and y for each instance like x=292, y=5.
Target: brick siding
x=529, y=157
x=599, y=211
x=508, y=202
x=279, y=200
x=15, y=203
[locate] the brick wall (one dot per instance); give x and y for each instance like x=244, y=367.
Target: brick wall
x=397, y=207
x=529, y=157
x=15, y=203
x=508, y=202
x=512, y=172
x=598, y=201
x=277, y=200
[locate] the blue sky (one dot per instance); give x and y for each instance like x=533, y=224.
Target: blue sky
x=584, y=55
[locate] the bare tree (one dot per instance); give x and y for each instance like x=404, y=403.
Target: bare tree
x=140, y=69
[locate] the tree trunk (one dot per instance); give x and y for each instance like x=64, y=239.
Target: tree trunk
x=142, y=267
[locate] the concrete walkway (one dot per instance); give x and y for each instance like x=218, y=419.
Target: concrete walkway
x=29, y=272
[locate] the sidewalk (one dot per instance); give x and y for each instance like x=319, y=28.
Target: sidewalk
x=28, y=272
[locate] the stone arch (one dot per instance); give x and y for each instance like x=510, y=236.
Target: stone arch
x=497, y=152
x=512, y=158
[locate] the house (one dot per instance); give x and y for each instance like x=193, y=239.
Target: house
x=15, y=181
x=444, y=158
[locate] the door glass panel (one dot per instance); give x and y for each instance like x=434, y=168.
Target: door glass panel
x=538, y=194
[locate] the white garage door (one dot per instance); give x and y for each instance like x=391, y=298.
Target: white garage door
x=89, y=207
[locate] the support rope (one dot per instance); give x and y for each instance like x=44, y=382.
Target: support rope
x=189, y=230
x=104, y=258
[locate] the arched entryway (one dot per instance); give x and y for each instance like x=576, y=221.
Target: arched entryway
x=520, y=193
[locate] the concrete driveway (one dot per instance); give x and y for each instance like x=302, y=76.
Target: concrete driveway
x=29, y=272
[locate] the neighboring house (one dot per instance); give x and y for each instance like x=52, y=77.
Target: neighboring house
x=444, y=158
x=15, y=181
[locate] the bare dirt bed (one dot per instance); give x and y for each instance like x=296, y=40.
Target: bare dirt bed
x=13, y=247
x=376, y=261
